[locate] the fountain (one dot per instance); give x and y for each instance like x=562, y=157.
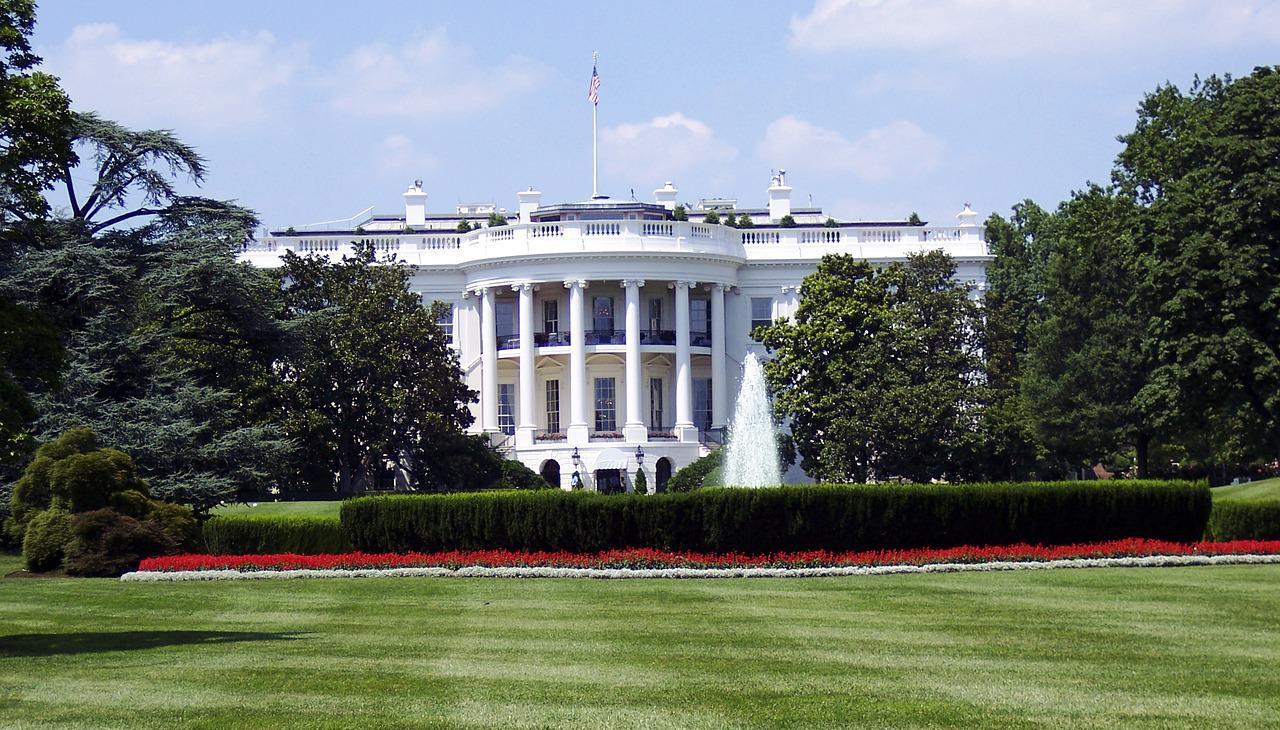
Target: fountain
x=751, y=456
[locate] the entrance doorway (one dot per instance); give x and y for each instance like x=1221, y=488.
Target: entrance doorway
x=551, y=472
x=609, y=481
x=663, y=474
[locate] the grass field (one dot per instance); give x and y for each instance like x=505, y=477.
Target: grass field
x=272, y=509
x=1264, y=489
x=1154, y=648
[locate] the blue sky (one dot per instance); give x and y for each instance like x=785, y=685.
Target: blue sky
x=313, y=111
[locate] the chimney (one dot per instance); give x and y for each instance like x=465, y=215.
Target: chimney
x=779, y=197
x=530, y=201
x=666, y=196
x=415, y=205
x=968, y=217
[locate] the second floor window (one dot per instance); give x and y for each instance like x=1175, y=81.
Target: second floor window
x=550, y=316
x=602, y=314
x=445, y=321
x=761, y=312
x=505, y=319
x=700, y=316
x=655, y=314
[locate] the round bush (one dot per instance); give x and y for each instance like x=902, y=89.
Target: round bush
x=46, y=539
x=694, y=475
x=177, y=521
x=85, y=482
x=106, y=543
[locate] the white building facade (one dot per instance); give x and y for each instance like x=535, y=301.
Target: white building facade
x=606, y=336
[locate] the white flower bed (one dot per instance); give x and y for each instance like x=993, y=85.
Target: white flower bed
x=1153, y=561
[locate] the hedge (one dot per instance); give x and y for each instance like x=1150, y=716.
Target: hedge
x=308, y=535
x=1244, y=520
x=854, y=517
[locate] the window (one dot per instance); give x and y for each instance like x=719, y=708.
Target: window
x=506, y=410
x=606, y=406
x=702, y=403
x=700, y=316
x=655, y=315
x=656, y=420
x=505, y=318
x=553, y=406
x=445, y=321
x=602, y=314
x=761, y=312
x=551, y=316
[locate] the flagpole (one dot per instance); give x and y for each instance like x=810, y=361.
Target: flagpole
x=594, y=184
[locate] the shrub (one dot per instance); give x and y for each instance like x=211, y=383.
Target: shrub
x=85, y=482
x=679, y=213
x=641, y=483
x=787, y=221
x=44, y=543
x=516, y=475
x=107, y=543
x=32, y=492
x=1244, y=520
x=307, y=535
x=858, y=517
x=711, y=217
x=694, y=475
x=177, y=521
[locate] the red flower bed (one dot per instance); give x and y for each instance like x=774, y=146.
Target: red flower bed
x=648, y=558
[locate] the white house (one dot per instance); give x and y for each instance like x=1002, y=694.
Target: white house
x=604, y=336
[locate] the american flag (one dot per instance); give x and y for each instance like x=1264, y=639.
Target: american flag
x=593, y=91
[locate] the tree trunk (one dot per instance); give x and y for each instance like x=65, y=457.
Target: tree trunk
x=1143, y=447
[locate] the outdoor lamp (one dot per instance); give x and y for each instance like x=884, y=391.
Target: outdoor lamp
x=639, y=455
x=576, y=456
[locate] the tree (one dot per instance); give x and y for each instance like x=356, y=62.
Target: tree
x=35, y=120
x=877, y=371
x=914, y=219
x=1086, y=357
x=744, y=221
x=1202, y=167
x=464, y=226
x=787, y=221
x=831, y=223
x=679, y=213
x=30, y=356
x=497, y=219
x=374, y=383
x=711, y=218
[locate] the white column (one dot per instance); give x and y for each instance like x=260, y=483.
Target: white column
x=527, y=420
x=488, y=361
x=685, y=429
x=633, y=428
x=578, y=431
x=719, y=383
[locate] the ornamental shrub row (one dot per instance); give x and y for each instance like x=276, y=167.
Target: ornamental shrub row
x=820, y=517
x=1244, y=520
x=307, y=535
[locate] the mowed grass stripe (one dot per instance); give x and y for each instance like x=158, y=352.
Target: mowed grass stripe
x=1192, y=647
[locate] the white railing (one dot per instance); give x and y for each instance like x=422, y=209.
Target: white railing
x=604, y=229
x=753, y=237
x=516, y=240
x=825, y=235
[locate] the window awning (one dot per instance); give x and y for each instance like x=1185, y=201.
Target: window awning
x=610, y=459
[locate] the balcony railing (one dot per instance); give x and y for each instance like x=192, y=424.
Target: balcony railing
x=604, y=337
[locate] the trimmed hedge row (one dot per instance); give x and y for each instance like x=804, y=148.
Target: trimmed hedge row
x=855, y=517
x=308, y=535
x=1244, y=520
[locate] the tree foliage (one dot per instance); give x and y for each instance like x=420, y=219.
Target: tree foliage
x=1204, y=167
x=877, y=372
x=373, y=384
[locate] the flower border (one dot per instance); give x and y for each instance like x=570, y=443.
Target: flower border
x=1149, y=561
x=655, y=562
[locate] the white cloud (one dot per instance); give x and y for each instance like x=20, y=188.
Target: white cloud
x=661, y=148
x=1009, y=28
x=430, y=76
x=398, y=153
x=897, y=150
x=223, y=83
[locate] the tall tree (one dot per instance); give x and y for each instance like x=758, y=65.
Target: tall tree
x=1205, y=168
x=35, y=120
x=374, y=381
x=878, y=371
x=1086, y=359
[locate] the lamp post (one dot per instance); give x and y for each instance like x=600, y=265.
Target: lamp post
x=577, y=458
x=639, y=455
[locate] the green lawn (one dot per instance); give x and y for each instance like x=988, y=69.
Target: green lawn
x=1155, y=648
x=1264, y=489
x=272, y=509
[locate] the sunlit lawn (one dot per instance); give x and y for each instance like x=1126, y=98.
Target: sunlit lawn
x=1264, y=489
x=1132, y=648
x=272, y=509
